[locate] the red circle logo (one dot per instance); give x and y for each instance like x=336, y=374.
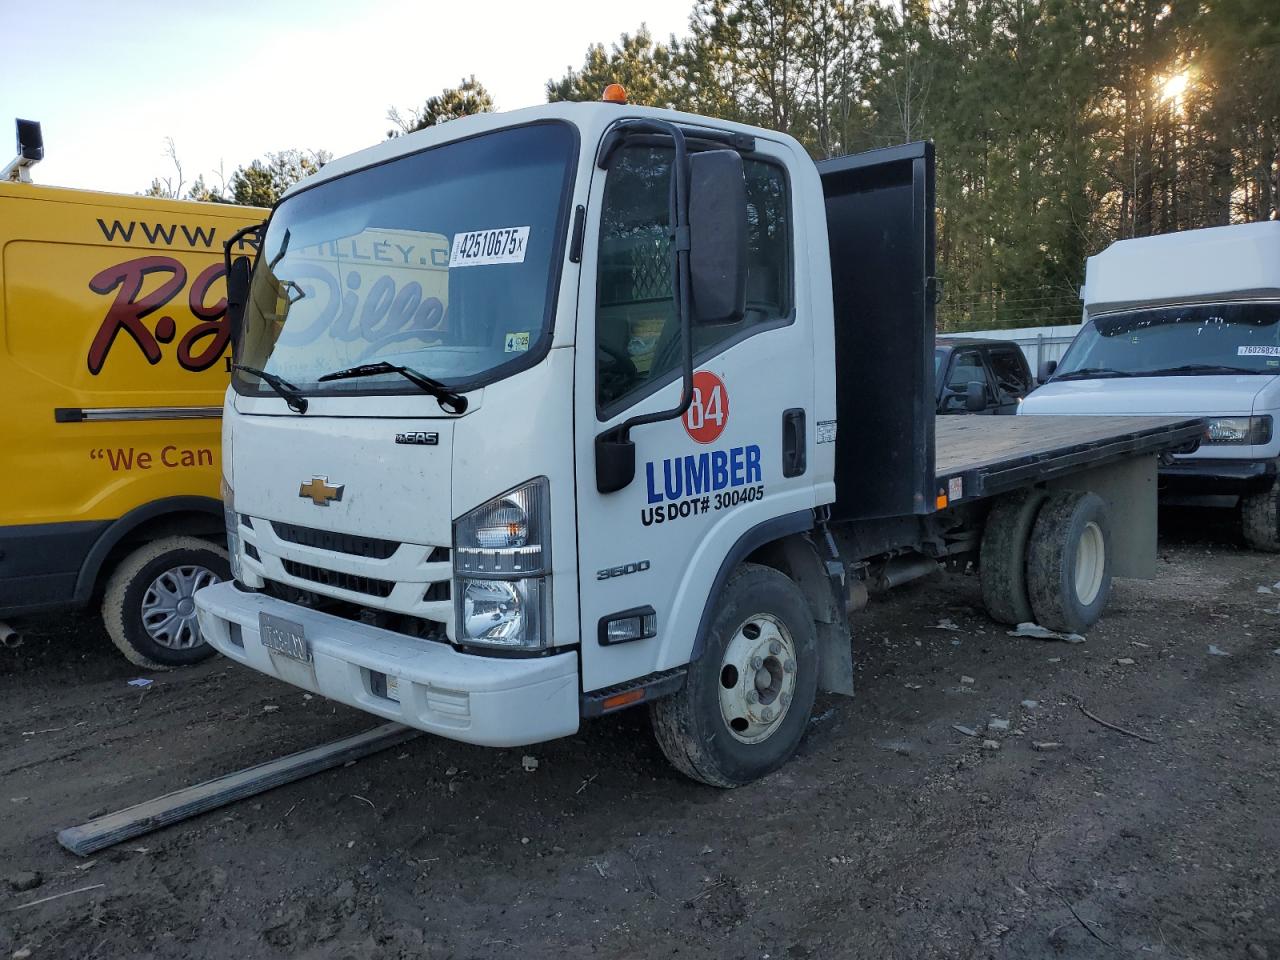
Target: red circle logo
x=707, y=415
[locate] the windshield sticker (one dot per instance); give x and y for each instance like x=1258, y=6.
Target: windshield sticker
x=482, y=247
x=1257, y=351
x=517, y=342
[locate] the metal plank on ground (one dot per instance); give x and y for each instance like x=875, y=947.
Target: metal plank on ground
x=151, y=815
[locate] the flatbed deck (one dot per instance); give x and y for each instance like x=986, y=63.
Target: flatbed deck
x=978, y=456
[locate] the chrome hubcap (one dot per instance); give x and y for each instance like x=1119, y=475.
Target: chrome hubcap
x=169, y=607
x=757, y=678
x=1091, y=555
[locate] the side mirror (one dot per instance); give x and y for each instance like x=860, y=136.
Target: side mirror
x=717, y=236
x=237, y=295
x=1047, y=370
x=30, y=141
x=975, y=396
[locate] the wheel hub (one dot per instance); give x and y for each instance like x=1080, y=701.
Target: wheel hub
x=757, y=678
x=169, y=607
x=1091, y=558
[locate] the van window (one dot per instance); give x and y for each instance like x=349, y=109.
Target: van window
x=637, y=337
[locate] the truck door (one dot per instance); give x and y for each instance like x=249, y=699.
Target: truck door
x=967, y=367
x=703, y=480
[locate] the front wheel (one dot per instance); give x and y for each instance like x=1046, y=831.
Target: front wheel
x=149, y=607
x=746, y=701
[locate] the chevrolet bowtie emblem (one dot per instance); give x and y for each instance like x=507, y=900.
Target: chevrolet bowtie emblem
x=319, y=492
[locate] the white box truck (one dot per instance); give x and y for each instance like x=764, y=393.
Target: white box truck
x=541, y=415
x=1188, y=324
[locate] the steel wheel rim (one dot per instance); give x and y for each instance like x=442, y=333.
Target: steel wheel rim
x=169, y=609
x=757, y=679
x=1091, y=555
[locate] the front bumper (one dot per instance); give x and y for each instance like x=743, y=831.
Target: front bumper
x=1207, y=476
x=493, y=701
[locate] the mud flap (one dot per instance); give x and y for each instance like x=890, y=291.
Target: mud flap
x=822, y=585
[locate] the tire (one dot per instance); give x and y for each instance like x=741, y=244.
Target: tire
x=1069, y=562
x=1260, y=514
x=760, y=613
x=137, y=587
x=1002, y=557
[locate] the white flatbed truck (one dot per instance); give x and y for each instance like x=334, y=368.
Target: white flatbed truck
x=542, y=415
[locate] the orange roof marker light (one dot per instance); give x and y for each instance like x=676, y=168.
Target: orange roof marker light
x=614, y=93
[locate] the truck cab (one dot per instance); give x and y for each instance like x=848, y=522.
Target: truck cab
x=1188, y=323
x=542, y=415
x=980, y=375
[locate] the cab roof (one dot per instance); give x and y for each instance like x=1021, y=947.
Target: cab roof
x=591, y=119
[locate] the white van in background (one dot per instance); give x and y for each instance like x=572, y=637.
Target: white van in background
x=1187, y=324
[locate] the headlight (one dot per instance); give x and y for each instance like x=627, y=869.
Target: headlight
x=232, y=521
x=1238, y=430
x=502, y=570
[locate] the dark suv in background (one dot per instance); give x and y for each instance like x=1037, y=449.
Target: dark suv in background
x=974, y=375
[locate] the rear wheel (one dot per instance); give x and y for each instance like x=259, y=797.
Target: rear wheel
x=149, y=609
x=1002, y=561
x=1069, y=562
x=1260, y=514
x=746, y=701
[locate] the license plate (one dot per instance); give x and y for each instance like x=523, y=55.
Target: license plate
x=393, y=688
x=284, y=636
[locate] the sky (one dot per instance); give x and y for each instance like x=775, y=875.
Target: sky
x=230, y=80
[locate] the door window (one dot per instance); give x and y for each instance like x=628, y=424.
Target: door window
x=965, y=368
x=637, y=336
x=1012, y=379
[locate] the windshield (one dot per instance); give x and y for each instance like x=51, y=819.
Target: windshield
x=1176, y=341
x=443, y=261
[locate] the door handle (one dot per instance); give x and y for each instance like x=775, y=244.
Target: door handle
x=793, y=442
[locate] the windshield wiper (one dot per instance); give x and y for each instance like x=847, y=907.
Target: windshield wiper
x=1090, y=372
x=451, y=401
x=1201, y=368
x=292, y=395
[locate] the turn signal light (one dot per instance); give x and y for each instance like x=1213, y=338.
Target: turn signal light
x=614, y=93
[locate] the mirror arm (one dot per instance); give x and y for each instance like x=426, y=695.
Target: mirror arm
x=235, y=239
x=609, y=481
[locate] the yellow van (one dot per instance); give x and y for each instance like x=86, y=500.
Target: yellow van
x=114, y=359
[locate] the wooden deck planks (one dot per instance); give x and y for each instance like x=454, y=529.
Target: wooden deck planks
x=965, y=443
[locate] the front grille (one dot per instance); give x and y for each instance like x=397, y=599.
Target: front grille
x=339, y=580
x=386, y=619
x=349, y=543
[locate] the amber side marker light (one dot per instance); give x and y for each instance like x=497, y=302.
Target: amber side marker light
x=623, y=699
x=614, y=93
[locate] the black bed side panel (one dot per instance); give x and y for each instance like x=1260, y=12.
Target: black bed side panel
x=880, y=226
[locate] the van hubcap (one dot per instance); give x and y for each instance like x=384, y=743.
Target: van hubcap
x=757, y=678
x=169, y=606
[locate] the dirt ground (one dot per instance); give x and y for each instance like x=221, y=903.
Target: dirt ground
x=890, y=835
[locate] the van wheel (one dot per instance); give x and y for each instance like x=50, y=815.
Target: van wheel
x=148, y=608
x=1261, y=515
x=1002, y=560
x=746, y=701
x=1069, y=562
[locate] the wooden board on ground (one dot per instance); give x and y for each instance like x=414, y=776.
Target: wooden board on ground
x=112, y=828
